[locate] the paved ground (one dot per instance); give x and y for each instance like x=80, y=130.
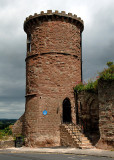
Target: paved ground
x=59, y=150
x=49, y=156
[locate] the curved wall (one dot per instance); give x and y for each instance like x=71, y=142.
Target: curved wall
x=53, y=67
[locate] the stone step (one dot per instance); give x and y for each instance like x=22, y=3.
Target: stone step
x=78, y=142
x=86, y=144
x=74, y=129
x=84, y=138
x=76, y=135
x=86, y=147
x=83, y=143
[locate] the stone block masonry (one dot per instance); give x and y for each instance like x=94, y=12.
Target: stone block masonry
x=106, y=114
x=87, y=114
x=53, y=66
x=95, y=112
x=7, y=144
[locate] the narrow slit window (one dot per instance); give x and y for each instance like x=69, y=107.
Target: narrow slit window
x=29, y=43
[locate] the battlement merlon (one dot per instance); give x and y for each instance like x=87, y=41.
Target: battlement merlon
x=38, y=18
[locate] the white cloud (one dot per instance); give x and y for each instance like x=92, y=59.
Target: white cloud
x=13, y=110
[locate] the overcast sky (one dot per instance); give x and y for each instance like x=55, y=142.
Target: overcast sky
x=98, y=43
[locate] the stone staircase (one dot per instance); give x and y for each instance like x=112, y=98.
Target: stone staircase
x=75, y=137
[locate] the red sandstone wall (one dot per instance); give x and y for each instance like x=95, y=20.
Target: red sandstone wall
x=7, y=144
x=18, y=127
x=55, y=36
x=52, y=68
x=96, y=114
x=66, y=139
x=52, y=79
x=106, y=114
x=88, y=114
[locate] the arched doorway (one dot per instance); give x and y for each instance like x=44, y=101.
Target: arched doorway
x=67, y=111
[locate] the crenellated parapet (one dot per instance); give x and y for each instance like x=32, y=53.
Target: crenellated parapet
x=53, y=16
x=53, y=66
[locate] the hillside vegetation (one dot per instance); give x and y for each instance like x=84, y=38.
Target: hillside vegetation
x=92, y=86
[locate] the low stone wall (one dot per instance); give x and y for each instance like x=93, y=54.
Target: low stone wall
x=7, y=144
x=17, y=128
x=106, y=114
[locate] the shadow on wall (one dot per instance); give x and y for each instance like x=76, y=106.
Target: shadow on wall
x=87, y=115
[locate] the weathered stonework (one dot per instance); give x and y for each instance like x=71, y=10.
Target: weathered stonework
x=106, y=114
x=95, y=113
x=53, y=66
x=18, y=127
x=66, y=139
x=87, y=114
x=7, y=144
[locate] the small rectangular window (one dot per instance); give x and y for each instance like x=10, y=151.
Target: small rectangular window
x=29, y=43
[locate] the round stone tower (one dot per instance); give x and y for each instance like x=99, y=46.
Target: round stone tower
x=53, y=67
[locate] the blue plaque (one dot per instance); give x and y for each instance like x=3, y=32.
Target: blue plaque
x=44, y=112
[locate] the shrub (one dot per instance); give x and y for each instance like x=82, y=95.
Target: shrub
x=79, y=87
x=92, y=86
x=5, y=133
x=109, y=64
x=107, y=74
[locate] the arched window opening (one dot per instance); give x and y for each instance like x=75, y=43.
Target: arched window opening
x=67, y=111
